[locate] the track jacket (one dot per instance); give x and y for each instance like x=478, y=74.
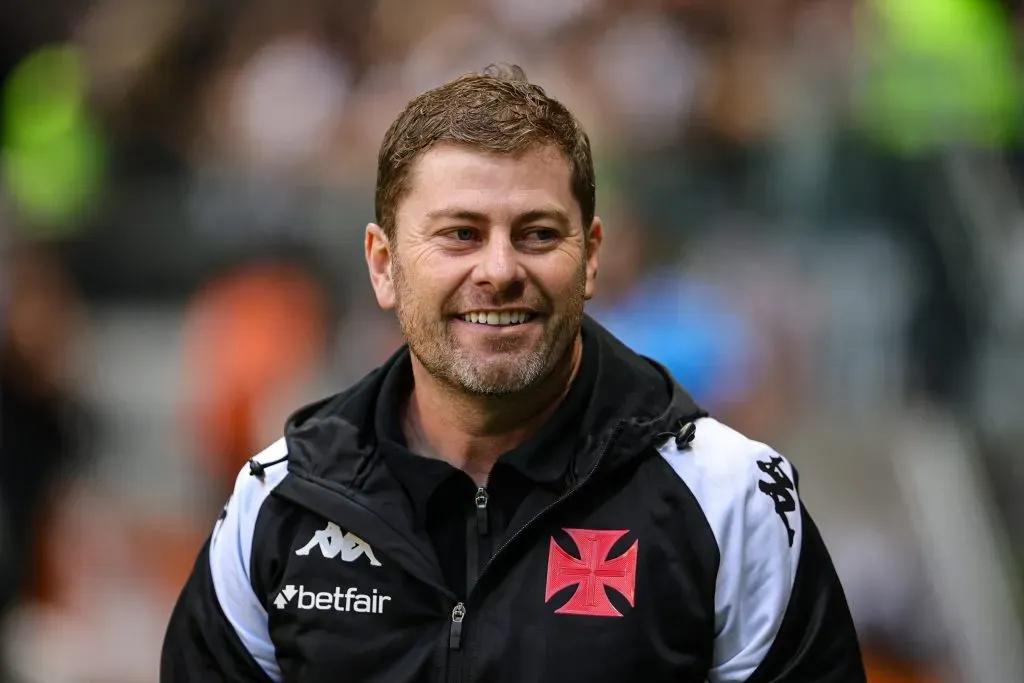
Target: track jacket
x=676, y=550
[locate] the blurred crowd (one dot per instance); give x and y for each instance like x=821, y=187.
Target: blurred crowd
x=824, y=198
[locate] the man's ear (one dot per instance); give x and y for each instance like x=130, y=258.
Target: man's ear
x=594, y=239
x=379, y=262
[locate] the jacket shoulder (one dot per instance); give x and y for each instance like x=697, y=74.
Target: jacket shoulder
x=254, y=483
x=719, y=451
x=725, y=463
x=744, y=487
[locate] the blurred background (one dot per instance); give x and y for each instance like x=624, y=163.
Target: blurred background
x=814, y=217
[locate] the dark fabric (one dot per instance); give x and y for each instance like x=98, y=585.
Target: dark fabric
x=443, y=496
x=817, y=641
x=200, y=644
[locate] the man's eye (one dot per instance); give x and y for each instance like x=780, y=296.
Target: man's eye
x=464, y=234
x=543, y=234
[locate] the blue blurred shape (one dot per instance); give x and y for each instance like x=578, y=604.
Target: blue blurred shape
x=692, y=329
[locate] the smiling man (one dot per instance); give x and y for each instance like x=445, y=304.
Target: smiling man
x=515, y=495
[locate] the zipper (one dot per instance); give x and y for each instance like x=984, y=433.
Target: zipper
x=480, y=500
x=455, y=632
x=454, y=664
x=477, y=543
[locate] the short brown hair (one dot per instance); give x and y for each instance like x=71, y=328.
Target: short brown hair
x=496, y=111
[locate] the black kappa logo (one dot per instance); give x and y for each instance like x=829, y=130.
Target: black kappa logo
x=780, y=490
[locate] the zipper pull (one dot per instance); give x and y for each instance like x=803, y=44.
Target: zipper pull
x=455, y=636
x=481, y=511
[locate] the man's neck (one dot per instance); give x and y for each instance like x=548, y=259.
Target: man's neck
x=472, y=432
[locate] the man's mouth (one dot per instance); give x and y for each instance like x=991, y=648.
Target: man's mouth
x=509, y=317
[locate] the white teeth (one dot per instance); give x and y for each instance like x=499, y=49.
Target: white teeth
x=496, y=318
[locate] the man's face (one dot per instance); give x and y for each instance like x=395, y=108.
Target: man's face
x=489, y=268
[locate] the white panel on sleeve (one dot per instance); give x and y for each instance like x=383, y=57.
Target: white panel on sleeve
x=744, y=489
x=231, y=554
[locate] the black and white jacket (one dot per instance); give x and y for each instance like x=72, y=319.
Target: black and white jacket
x=678, y=551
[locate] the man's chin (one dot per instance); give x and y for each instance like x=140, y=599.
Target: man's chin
x=502, y=378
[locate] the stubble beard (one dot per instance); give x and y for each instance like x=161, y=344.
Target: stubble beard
x=432, y=341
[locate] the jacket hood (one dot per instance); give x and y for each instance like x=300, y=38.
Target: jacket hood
x=634, y=401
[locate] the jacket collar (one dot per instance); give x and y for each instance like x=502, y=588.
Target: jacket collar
x=634, y=399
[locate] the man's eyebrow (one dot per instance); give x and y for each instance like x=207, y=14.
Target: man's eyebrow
x=556, y=215
x=457, y=214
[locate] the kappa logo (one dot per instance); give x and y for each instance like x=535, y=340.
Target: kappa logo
x=780, y=489
x=591, y=572
x=350, y=600
x=333, y=542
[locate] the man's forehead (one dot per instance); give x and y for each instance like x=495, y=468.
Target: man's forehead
x=447, y=161
x=459, y=182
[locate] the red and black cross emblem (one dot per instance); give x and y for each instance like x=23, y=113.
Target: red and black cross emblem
x=591, y=572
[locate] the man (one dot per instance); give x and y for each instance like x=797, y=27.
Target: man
x=514, y=495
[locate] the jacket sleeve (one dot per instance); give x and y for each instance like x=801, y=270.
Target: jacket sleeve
x=218, y=631
x=781, y=613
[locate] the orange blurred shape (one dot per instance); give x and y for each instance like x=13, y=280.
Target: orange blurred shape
x=884, y=669
x=247, y=333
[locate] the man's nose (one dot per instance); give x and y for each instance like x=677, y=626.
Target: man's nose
x=499, y=267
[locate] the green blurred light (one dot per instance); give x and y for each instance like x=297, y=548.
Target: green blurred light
x=53, y=182
x=941, y=71
x=44, y=95
x=53, y=158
